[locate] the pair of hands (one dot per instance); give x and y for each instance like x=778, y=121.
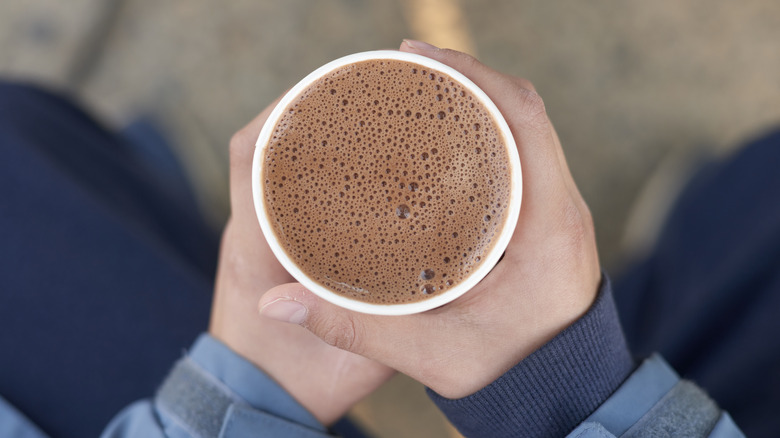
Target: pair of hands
x=329, y=358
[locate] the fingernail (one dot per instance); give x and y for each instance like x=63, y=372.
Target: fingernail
x=285, y=310
x=419, y=45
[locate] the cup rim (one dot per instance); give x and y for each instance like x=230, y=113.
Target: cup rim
x=492, y=258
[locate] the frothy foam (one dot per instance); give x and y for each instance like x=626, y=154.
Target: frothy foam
x=386, y=182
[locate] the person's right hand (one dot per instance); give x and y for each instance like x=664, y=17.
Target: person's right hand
x=548, y=278
x=325, y=380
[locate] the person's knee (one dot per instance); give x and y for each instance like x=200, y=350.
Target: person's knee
x=20, y=98
x=14, y=92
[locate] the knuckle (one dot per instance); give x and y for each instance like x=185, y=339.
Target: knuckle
x=529, y=109
x=241, y=146
x=464, y=60
x=524, y=83
x=587, y=216
x=469, y=61
x=237, y=140
x=577, y=224
x=533, y=105
x=341, y=334
x=575, y=253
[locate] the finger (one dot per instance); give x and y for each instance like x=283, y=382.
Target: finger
x=246, y=260
x=242, y=150
x=250, y=257
x=420, y=345
x=372, y=336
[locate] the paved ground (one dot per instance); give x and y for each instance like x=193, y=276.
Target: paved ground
x=635, y=88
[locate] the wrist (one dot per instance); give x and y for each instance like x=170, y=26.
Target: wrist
x=555, y=387
x=508, y=335
x=246, y=381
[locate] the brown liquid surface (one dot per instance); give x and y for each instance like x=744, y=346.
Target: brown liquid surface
x=387, y=183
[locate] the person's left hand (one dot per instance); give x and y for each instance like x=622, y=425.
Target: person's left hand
x=549, y=276
x=324, y=379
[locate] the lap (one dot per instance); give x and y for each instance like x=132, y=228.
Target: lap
x=105, y=276
x=707, y=296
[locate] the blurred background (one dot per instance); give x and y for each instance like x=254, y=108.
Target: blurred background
x=640, y=92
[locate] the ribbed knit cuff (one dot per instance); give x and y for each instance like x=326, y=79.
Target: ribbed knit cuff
x=555, y=388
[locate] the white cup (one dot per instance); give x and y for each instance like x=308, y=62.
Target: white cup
x=513, y=210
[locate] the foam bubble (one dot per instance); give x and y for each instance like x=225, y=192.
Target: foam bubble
x=402, y=211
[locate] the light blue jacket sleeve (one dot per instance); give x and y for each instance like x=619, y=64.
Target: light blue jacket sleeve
x=14, y=424
x=214, y=392
x=654, y=401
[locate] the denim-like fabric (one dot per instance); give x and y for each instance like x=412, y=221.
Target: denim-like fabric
x=105, y=276
x=554, y=389
x=215, y=393
x=708, y=297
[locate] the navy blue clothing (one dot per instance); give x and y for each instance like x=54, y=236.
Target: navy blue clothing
x=554, y=388
x=96, y=257
x=708, y=297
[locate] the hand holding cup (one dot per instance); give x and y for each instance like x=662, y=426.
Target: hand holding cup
x=547, y=279
x=327, y=381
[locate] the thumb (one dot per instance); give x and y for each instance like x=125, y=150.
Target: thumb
x=342, y=328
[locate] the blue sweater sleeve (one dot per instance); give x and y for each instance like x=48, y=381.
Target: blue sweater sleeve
x=580, y=383
x=14, y=424
x=214, y=392
x=551, y=391
x=584, y=383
